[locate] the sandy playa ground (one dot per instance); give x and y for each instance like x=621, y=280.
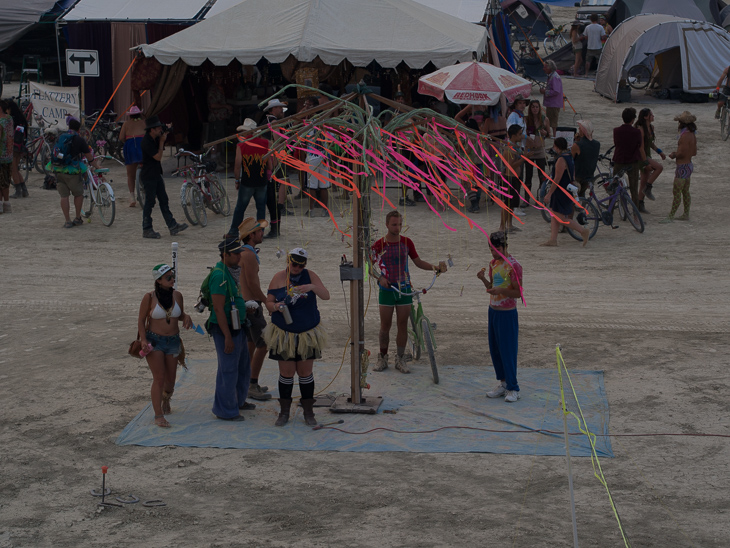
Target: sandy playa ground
x=650, y=310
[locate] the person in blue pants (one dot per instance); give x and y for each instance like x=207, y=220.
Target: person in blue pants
x=227, y=314
x=504, y=285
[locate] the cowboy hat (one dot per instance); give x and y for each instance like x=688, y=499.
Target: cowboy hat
x=134, y=110
x=248, y=125
x=230, y=244
x=517, y=100
x=250, y=225
x=686, y=118
x=587, y=126
x=275, y=103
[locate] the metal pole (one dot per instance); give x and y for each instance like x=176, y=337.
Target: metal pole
x=58, y=54
x=356, y=296
x=567, y=456
x=174, y=263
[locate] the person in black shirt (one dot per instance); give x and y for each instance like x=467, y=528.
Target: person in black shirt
x=153, y=145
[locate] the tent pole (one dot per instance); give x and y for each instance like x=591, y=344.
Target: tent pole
x=58, y=54
x=356, y=300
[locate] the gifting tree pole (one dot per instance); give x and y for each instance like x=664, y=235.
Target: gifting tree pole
x=357, y=327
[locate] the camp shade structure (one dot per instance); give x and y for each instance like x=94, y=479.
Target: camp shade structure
x=697, y=10
x=386, y=31
x=703, y=51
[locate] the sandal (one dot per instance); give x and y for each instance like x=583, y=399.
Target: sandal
x=161, y=421
x=77, y=221
x=68, y=224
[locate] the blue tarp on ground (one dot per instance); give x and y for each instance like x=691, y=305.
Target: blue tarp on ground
x=419, y=404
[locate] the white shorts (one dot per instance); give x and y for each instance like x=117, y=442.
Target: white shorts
x=319, y=168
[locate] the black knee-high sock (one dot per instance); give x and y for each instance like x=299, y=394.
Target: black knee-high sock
x=306, y=387
x=286, y=385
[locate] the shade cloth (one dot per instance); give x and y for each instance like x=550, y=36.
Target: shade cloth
x=387, y=31
x=414, y=404
x=704, y=51
x=17, y=18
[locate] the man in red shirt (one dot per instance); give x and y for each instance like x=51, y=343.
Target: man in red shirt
x=390, y=254
x=252, y=175
x=629, y=151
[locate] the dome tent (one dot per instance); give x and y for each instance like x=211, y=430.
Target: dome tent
x=703, y=51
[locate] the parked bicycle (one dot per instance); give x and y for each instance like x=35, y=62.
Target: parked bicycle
x=104, y=140
x=38, y=147
x=554, y=39
x=98, y=192
x=724, y=114
x=201, y=188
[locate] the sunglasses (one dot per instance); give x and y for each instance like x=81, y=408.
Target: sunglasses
x=295, y=263
x=169, y=277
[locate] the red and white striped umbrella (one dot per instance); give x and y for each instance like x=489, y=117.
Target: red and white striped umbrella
x=473, y=84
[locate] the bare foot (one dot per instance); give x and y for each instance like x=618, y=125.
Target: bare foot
x=132, y=204
x=161, y=421
x=550, y=243
x=586, y=235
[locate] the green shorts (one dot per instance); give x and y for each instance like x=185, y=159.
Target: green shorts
x=387, y=297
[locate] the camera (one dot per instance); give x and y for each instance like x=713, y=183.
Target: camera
x=166, y=128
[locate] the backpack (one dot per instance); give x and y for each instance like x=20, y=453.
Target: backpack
x=62, y=151
x=204, y=298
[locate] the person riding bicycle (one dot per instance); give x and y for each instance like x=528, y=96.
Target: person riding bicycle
x=722, y=99
x=390, y=255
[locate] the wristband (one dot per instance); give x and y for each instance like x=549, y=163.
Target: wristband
x=659, y=151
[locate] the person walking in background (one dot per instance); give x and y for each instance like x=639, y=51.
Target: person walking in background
x=275, y=200
x=553, y=92
x=131, y=134
x=19, y=138
x=513, y=159
x=594, y=34
x=686, y=149
x=585, y=152
x=157, y=326
x=504, y=286
x=576, y=39
x=153, y=145
x=295, y=335
x=7, y=137
x=652, y=169
x=538, y=127
x=628, y=151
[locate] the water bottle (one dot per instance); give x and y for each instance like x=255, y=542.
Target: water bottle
x=284, y=309
x=146, y=350
x=235, y=318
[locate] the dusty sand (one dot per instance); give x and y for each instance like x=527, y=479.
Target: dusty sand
x=650, y=310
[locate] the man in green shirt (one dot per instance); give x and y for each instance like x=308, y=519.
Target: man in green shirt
x=228, y=310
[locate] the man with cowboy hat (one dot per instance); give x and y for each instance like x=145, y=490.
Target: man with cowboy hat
x=686, y=149
x=276, y=195
x=275, y=110
x=517, y=116
x=251, y=233
x=153, y=145
x=252, y=173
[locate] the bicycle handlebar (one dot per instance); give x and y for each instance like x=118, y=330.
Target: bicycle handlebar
x=412, y=293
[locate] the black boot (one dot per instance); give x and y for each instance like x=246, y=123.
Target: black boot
x=283, y=211
x=308, y=407
x=24, y=189
x=18, y=191
x=275, y=230
x=284, y=413
x=642, y=209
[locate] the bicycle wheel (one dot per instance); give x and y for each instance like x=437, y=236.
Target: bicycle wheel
x=199, y=206
x=638, y=76
x=107, y=204
x=139, y=189
x=88, y=204
x=45, y=157
x=544, y=187
x=219, y=197
x=589, y=220
x=632, y=212
x=186, y=200
x=25, y=165
x=413, y=342
x=725, y=123
x=430, y=346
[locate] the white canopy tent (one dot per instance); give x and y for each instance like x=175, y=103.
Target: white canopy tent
x=387, y=31
x=468, y=10
x=136, y=10
x=16, y=20
x=704, y=49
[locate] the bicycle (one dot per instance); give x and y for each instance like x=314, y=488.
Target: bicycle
x=204, y=189
x=639, y=76
x=724, y=115
x=38, y=150
x=554, y=39
x=99, y=193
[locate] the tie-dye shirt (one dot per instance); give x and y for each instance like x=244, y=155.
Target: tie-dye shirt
x=502, y=274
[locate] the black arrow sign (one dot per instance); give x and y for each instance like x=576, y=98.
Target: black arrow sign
x=82, y=61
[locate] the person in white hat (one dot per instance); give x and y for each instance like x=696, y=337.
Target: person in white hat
x=274, y=110
x=686, y=150
x=295, y=337
x=131, y=135
x=252, y=174
x=276, y=193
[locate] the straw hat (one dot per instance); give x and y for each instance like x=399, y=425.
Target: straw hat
x=686, y=118
x=250, y=225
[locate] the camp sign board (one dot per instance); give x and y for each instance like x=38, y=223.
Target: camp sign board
x=54, y=103
x=82, y=62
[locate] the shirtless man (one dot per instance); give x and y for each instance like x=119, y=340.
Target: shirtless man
x=686, y=149
x=251, y=233
x=390, y=254
x=724, y=81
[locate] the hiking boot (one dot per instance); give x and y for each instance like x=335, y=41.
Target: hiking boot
x=498, y=392
x=18, y=191
x=179, y=227
x=283, y=417
x=642, y=209
x=24, y=189
x=382, y=363
x=255, y=392
x=274, y=231
x=247, y=406
x=406, y=201
x=511, y=396
x=150, y=233
x=308, y=411
x=474, y=209
x=400, y=365
x=648, y=193
x=7, y=208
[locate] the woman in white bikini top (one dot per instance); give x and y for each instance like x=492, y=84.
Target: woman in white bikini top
x=159, y=314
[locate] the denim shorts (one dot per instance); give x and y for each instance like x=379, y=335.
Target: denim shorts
x=166, y=344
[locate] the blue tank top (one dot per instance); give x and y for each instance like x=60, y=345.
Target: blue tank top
x=569, y=173
x=304, y=312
